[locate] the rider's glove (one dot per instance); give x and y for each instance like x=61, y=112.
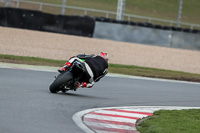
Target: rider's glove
x=62, y=69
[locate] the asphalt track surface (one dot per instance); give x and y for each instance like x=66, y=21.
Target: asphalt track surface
x=27, y=106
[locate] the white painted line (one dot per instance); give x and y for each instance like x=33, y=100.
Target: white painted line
x=103, y=132
x=54, y=69
x=150, y=79
x=110, y=126
x=28, y=67
x=120, y=113
x=139, y=110
x=109, y=118
x=77, y=118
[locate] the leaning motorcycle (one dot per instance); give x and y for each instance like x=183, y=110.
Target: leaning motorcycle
x=69, y=79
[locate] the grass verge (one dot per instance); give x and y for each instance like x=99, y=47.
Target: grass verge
x=153, y=8
x=172, y=121
x=113, y=68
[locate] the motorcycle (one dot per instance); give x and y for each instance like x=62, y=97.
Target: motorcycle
x=69, y=79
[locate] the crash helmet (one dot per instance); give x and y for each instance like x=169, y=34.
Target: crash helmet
x=104, y=55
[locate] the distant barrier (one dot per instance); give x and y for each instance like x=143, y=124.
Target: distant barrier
x=36, y=20
x=57, y=9
x=148, y=25
x=145, y=35
x=135, y=32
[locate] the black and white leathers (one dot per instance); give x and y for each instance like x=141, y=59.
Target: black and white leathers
x=96, y=66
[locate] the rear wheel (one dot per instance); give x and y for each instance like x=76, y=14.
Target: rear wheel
x=63, y=79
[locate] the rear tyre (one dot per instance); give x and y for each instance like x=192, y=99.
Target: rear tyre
x=60, y=81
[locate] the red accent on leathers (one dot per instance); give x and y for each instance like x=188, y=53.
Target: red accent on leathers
x=68, y=64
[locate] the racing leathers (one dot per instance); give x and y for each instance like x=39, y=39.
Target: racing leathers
x=96, y=67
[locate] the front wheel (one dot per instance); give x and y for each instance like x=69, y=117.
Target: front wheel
x=60, y=81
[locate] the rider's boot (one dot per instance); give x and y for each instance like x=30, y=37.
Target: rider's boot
x=76, y=85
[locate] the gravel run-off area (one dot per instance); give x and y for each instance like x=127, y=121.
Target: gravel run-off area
x=59, y=46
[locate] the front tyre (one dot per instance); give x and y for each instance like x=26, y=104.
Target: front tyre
x=60, y=81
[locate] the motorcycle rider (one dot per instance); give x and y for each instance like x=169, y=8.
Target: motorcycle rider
x=96, y=67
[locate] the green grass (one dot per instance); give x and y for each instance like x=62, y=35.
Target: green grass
x=174, y=121
x=153, y=72
x=164, y=9
x=113, y=68
x=30, y=60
